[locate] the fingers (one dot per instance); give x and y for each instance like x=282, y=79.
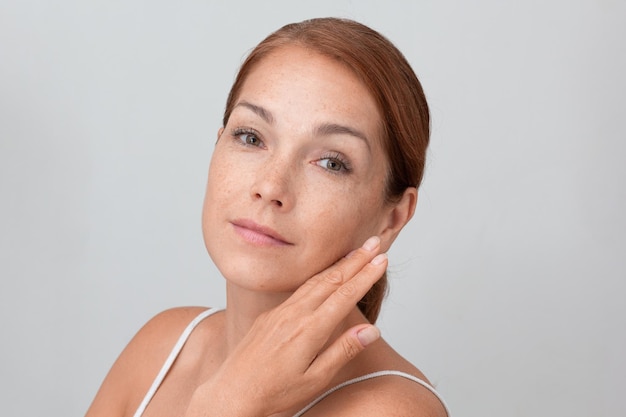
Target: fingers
x=340, y=302
x=317, y=289
x=344, y=349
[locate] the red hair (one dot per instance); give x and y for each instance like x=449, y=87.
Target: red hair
x=390, y=80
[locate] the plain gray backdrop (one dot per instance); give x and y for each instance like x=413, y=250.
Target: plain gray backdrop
x=507, y=288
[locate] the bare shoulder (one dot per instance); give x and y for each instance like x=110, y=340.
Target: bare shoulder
x=136, y=367
x=402, y=392
x=389, y=395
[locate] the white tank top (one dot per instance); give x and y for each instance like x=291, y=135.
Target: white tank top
x=185, y=335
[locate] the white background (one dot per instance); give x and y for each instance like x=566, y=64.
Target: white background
x=508, y=285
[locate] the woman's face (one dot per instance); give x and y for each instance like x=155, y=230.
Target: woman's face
x=297, y=177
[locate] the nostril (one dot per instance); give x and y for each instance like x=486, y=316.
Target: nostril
x=279, y=203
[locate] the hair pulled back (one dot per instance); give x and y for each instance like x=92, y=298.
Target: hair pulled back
x=387, y=75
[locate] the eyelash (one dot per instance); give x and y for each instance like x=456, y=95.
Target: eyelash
x=236, y=133
x=344, y=164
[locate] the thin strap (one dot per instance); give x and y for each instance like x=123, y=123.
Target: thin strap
x=370, y=376
x=171, y=358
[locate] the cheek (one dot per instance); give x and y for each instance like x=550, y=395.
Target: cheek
x=221, y=180
x=343, y=225
x=218, y=190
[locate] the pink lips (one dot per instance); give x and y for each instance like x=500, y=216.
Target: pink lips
x=257, y=234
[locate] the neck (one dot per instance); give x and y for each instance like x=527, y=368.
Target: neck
x=243, y=306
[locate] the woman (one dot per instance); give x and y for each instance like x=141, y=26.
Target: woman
x=314, y=173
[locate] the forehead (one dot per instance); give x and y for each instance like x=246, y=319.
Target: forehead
x=295, y=79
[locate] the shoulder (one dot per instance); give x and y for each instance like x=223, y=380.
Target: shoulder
x=153, y=342
x=142, y=359
x=389, y=395
x=162, y=330
x=385, y=395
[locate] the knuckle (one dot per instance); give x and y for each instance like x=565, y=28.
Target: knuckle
x=348, y=289
x=334, y=277
x=350, y=348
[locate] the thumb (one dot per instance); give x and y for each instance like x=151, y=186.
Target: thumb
x=345, y=348
x=368, y=335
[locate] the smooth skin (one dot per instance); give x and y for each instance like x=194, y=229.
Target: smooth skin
x=296, y=182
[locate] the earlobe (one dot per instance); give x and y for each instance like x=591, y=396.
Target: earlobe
x=399, y=215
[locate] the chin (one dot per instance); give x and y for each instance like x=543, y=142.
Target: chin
x=263, y=269
x=258, y=273
x=254, y=279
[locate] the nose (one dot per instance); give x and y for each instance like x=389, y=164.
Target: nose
x=273, y=185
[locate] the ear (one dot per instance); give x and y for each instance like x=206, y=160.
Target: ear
x=398, y=215
x=219, y=133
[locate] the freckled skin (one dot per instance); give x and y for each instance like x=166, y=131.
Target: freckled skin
x=281, y=184
x=296, y=181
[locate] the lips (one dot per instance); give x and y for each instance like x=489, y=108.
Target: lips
x=257, y=234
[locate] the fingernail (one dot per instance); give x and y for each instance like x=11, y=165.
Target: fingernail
x=379, y=259
x=371, y=243
x=368, y=335
x=350, y=254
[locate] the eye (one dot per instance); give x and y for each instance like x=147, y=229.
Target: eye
x=247, y=137
x=330, y=164
x=334, y=163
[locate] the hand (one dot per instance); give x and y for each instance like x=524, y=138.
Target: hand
x=286, y=358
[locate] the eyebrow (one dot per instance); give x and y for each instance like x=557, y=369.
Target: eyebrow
x=259, y=111
x=325, y=129
x=328, y=129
